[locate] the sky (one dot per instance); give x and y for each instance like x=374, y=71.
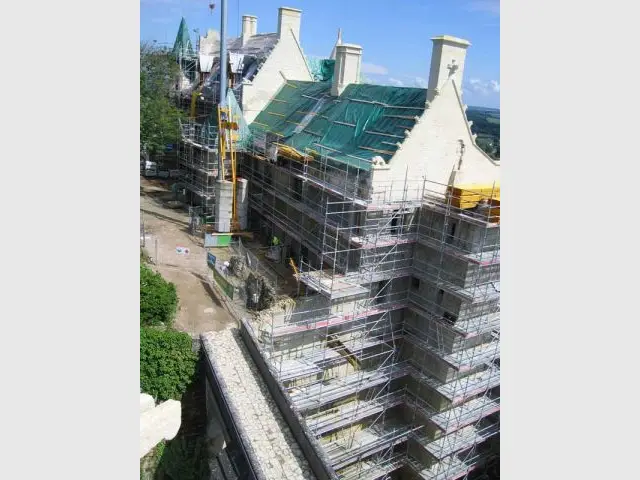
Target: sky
x=395, y=35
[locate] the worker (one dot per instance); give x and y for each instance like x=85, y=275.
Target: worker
x=275, y=242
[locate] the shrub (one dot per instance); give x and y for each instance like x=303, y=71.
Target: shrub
x=167, y=363
x=158, y=298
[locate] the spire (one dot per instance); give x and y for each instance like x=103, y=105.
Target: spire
x=338, y=42
x=182, y=45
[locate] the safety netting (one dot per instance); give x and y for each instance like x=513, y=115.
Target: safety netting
x=208, y=134
x=321, y=68
x=364, y=122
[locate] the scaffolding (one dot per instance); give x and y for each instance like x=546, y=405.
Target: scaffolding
x=390, y=353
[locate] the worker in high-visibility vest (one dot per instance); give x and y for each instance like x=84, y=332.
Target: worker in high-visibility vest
x=275, y=242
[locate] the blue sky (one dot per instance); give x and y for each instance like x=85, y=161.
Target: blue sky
x=394, y=34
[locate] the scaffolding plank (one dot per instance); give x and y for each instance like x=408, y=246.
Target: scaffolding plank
x=450, y=468
x=320, y=394
x=351, y=413
x=459, y=390
x=367, y=443
x=462, y=360
x=454, y=442
x=466, y=414
x=372, y=470
x=337, y=319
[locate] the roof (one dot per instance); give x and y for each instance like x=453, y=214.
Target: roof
x=364, y=122
x=182, y=46
x=259, y=45
x=246, y=59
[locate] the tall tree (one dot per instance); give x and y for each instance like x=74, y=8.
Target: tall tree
x=159, y=115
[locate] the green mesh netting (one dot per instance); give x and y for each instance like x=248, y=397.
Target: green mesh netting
x=236, y=115
x=364, y=122
x=209, y=130
x=182, y=46
x=321, y=68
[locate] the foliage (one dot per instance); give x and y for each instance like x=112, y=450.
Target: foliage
x=167, y=363
x=486, y=125
x=159, y=115
x=158, y=298
x=150, y=462
x=185, y=458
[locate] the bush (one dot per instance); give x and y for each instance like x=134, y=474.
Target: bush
x=167, y=363
x=158, y=298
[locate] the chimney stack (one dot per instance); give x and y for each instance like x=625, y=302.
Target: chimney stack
x=447, y=60
x=347, y=67
x=249, y=27
x=289, y=18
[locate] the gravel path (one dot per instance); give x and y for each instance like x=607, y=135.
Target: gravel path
x=256, y=414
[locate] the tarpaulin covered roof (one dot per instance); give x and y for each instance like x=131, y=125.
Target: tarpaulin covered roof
x=364, y=122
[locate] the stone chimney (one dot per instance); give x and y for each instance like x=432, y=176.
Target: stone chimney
x=447, y=60
x=347, y=68
x=249, y=27
x=289, y=18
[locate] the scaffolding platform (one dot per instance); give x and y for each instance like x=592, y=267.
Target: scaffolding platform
x=335, y=320
x=372, y=470
x=466, y=360
x=351, y=413
x=320, y=394
x=481, y=258
x=466, y=414
x=467, y=328
x=462, y=389
x=457, y=441
x=487, y=292
x=291, y=369
x=366, y=443
x=356, y=344
x=331, y=286
x=386, y=241
x=462, y=360
x=450, y=468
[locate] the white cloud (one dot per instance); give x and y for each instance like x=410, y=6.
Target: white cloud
x=421, y=82
x=482, y=87
x=395, y=82
x=373, y=69
x=487, y=6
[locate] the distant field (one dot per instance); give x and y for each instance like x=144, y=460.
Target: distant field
x=486, y=125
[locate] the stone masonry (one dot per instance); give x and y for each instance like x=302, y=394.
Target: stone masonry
x=256, y=415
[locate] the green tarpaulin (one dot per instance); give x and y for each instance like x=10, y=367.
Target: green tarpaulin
x=364, y=122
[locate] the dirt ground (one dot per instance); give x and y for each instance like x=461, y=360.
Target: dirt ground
x=165, y=229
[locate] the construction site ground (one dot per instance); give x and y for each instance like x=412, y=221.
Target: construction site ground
x=167, y=229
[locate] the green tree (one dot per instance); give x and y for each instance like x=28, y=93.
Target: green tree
x=159, y=116
x=158, y=298
x=167, y=363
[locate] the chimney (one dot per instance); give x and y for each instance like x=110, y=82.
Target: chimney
x=447, y=60
x=289, y=18
x=249, y=27
x=347, y=67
